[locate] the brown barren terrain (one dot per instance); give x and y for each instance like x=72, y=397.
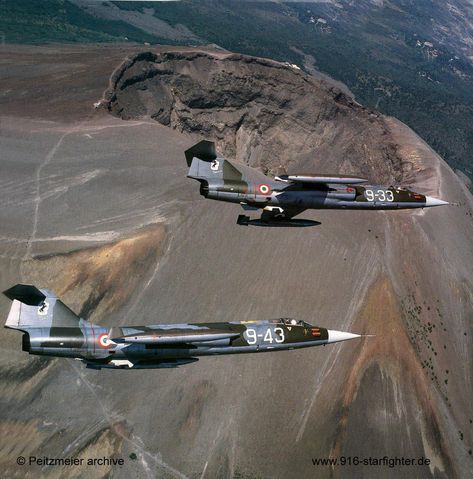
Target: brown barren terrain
x=99, y=209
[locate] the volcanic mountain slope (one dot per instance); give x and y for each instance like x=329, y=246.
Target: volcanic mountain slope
x=408, y=58
x=259, y=111
x=99, y=208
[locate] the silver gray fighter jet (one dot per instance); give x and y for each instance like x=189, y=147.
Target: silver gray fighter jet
x=283, y=197
x=50, y=328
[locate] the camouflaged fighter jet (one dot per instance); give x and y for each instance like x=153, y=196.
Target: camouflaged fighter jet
x=50, y=328
x=283, y=197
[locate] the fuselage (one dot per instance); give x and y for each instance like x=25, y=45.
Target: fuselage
x=174, y=344
x=50, y=328
x=317, y=197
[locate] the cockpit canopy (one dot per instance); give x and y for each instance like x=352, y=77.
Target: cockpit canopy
x=289, y=322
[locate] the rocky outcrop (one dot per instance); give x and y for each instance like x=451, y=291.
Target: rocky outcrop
x=261, y=112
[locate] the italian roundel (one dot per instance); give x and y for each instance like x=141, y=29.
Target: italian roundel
x=264, y=189
x=104, y=341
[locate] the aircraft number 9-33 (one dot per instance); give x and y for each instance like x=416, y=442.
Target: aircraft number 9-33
x=268, y=337
x=379, y=195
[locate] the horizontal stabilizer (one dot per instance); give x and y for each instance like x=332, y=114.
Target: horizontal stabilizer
x=26, y=294
x=321, y=179
x=176, y=336
x=204, y=150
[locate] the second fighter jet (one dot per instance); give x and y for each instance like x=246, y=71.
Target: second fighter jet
x=283, y=197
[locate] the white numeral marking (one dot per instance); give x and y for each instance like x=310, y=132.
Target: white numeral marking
x=268, y=336
x=279, y=335
x=251, y=336
x=380, y=195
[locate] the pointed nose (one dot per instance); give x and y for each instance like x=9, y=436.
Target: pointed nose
x=429, y=201
x=336, y=336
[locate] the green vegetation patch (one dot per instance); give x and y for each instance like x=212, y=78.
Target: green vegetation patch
x=45, y=21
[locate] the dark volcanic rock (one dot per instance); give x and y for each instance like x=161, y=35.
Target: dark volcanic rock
x=260, y=112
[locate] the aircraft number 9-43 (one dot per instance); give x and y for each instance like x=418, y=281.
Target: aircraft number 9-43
x=270, y=336
x=379, y=195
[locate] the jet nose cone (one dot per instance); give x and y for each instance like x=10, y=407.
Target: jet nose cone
x=429, y=201
x=336, y=336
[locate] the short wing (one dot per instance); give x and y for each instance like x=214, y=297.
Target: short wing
x=174, y=336
x=140, y=364
x=321, y=179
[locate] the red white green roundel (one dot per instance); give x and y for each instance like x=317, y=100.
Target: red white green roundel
x=104, y=341
x=264, y=189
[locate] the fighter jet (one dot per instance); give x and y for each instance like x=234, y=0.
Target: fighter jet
x=283, y=197
x=50, y=328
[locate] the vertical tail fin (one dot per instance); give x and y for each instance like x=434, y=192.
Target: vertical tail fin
x=37, y=308
x=206, y=165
